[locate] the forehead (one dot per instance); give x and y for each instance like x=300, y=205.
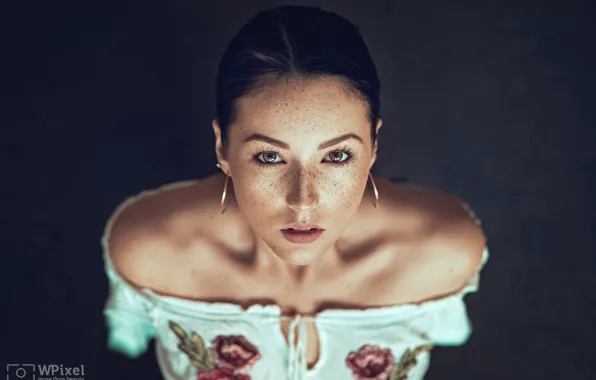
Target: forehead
x=295, y=107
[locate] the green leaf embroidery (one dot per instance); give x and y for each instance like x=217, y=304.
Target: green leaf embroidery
x=407, y=362
x=210, y=358
x=198, y=344
x=194, y=347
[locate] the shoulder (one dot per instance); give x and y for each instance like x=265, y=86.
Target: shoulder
x=155, y=229
x=449, y=243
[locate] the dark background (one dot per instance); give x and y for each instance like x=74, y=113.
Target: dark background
x=491, y=101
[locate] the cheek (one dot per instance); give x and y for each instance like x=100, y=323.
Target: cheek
x=249, y=187
x=337, y=194
x=255, y=193
x=264, y=194
x=343, y=191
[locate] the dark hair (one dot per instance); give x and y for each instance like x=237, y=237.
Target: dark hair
x=300, y=41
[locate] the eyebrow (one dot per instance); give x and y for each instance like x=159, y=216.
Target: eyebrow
x=283, y=145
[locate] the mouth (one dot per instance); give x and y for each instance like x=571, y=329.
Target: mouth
x=302, y=234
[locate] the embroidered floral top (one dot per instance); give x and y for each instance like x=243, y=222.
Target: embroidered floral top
x=221, y=341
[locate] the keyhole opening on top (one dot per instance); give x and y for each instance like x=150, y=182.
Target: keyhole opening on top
x=313, y=344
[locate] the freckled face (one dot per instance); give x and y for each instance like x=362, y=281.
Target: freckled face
x=301, y=175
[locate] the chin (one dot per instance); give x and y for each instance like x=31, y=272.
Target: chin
x=298, y=257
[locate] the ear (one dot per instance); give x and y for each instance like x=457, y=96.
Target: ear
x=220, y=149
x=376, y=142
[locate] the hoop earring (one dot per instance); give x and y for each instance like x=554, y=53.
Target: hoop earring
x=224, y=194
x=375, y=191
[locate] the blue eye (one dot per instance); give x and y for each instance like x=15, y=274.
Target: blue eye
x=338, y=156
x=268, y=158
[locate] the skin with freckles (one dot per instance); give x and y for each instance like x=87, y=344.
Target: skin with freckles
x=286, y=166
x=293, y=176
x=298, y=151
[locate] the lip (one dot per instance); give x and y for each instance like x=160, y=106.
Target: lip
x=303, y=226
x=302, y=233
x=301, y=237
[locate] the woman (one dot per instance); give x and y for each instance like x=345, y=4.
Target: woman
x=295, y=262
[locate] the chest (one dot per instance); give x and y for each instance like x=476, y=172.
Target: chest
x=345, y=293
x=356, y=287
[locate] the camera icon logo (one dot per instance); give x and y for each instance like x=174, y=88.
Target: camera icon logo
x=20, y=371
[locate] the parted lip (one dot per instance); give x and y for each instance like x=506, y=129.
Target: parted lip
x=302, y=226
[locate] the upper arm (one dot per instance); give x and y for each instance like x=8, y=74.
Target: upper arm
x=135, y=242
x=458, y=254
x=129, y=325
x=458, y=246
x=449, y=255
x=153, y=240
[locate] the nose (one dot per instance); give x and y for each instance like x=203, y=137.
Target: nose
x=303, y=193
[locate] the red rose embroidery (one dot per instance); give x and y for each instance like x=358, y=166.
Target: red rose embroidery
x=234, y=352
x=226, y=359
x=221, y=374
x=371, y=363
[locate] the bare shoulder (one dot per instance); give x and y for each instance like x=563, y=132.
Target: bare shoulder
x=156, y=230
x=448, y=242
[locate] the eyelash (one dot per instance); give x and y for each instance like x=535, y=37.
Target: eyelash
x=348, y=152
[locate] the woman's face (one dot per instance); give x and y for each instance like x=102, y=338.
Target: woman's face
x=299, y=152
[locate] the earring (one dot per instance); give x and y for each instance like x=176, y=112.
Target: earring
x=375, y=191
x=223, y=194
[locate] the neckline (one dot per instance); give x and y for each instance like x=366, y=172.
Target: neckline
x=229, y=309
